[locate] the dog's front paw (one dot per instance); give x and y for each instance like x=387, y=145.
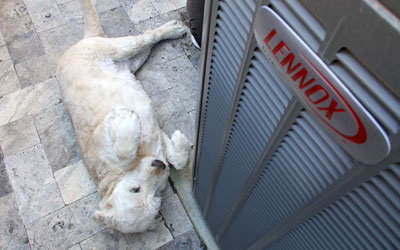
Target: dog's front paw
x=173, y=30
x=179, y=158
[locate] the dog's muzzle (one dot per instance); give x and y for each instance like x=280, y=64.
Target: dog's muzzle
x=158, y=164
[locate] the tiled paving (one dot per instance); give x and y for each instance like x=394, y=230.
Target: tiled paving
x=46, y=194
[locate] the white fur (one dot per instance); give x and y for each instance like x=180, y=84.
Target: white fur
x=116, y=127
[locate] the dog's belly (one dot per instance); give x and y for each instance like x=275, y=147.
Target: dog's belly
x=94, y=94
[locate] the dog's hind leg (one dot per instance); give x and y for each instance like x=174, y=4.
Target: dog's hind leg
x=118, y=135
x=177, y=149
x=125, y=47
x=91, y=20
x=138, y=60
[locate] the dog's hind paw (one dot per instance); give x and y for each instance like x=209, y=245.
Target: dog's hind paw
x=173, y=30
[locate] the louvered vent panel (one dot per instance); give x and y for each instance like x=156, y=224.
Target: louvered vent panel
x=305, y=164
x=302, y=21
x=375, y=96
x=229, y=43
x=263, y=102
x=366, y=218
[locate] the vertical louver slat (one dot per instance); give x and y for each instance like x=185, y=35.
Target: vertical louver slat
x=228, y=46
x=260, y=108
x=365, y=218
x=303, y=166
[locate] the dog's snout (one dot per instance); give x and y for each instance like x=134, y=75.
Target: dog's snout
x=158, y=164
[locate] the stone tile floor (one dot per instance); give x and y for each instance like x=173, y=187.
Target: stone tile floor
x=46, y=194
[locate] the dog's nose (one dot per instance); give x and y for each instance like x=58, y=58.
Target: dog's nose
x=158, y=164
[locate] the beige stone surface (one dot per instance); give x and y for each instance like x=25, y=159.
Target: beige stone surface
x=65, y=227
x=74, y=182
x=175, y=216
x=34, y=185
x=150, y=239
x=28, y=101
x=18, y=135
x=12, y=231
x=8, y=77
x=57, y=136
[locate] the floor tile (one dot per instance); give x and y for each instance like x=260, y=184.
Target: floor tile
x=139, y=10
x=8, y=77
x=57, y=136
x=16, y=27
x=116, y=23
x=150, y=239
x=166, y=6
x=4, y=55
x=154, y=78
x=44, y=14
x=76, y=247
x=186, y=81
x=11, y=9
x=22, y=40
x=191, y=52
x=55, y=40
x=2, y=42
x=167, y=192
x=63, y=1
x=18, y=135
x=104, y=5
x=175, y=216
x=12, y=231
x=74, y=182
x=163, y=52
x=106, y=240
x=171, y=115
x=186, y=241
x=25, y=47
x=37, y=69
x=65, y=227
x=71, y=11
x=30, y=100
x=34, y=185
x=5, y=186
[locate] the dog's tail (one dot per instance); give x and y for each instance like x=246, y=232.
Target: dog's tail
x=91, y=19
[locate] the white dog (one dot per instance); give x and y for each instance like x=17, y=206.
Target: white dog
x=122, y=145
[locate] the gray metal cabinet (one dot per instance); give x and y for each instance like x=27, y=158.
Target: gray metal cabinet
x=270, y=173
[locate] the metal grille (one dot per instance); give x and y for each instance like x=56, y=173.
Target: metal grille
x=365, y=218
x=260, y=108
x=267, y=175
x=232, y=25
x=304, y=165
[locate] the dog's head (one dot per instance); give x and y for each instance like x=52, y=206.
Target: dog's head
x=133, y=204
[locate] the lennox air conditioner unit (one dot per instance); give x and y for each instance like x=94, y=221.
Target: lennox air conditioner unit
x=298, y=143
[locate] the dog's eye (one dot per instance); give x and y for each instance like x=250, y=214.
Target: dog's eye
x=134, y=190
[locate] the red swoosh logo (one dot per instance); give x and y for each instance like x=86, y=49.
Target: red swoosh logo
x=361, y=136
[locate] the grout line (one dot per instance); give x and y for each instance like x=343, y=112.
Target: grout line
x=26, y=233
x=166, y=225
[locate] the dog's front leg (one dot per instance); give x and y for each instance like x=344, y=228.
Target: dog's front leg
x=125, y=47
x=177, y=149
